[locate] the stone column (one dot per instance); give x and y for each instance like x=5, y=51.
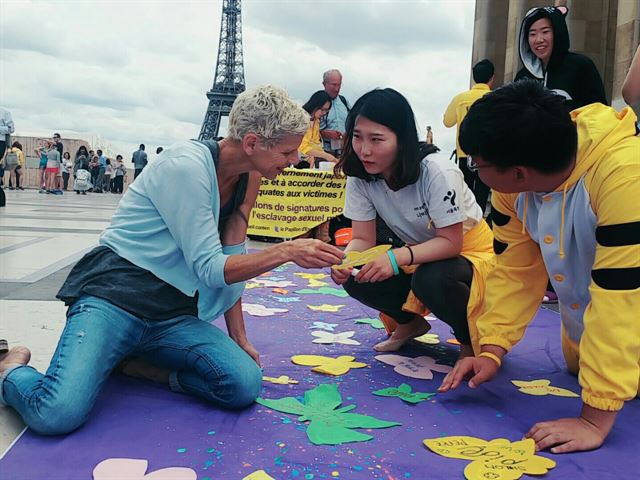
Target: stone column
x=627, y=39
x=490, y=35
x=592, y=32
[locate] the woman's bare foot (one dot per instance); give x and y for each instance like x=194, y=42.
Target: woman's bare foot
x=15, y=356
x=403, y=333
x=138, y=368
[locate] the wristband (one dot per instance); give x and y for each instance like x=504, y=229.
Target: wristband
x=411, y=253
x=492, y=356
x=394, y=263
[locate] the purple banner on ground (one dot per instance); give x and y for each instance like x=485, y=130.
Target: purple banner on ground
x=139, y=420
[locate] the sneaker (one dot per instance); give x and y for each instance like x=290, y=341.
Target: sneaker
x=550, y=297
x=42, y=190
x=21, y=188
x=84, y=193
x=10, y=188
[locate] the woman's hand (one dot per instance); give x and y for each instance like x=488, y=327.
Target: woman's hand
x=248, y=347
x=377, y=271
x=310, y=253
x=341, y=276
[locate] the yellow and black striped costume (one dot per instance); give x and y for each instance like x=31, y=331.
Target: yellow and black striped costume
x=586, y=237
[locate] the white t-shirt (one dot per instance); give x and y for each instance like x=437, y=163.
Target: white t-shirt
x=439, y=198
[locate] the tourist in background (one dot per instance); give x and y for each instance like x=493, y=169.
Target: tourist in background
x=94, y=168
x=53, y=167
x=483, y=77
x=311, y=148
x=41, y=153
x=119, y=173
x=332, y=125
x=15, y=173
x=108, y=173
x=429, y=138
x=139, y=160
x=67, y=169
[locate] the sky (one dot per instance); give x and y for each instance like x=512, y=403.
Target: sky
x=120, y=73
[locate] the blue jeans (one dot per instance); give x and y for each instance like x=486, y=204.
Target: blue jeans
x=203, y=360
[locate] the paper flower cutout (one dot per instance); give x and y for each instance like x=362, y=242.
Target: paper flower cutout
x=374, y=322
x=259, y=475
x=497, y=459
x=428, y=338
x=328, y=365
x=273, y=283
x=453, y=341
x=135, y=469
x=329, y=425
x=287, y=299
x=336, y=292
x=281, y=380
x=419, y=367
x=325, y=307
x=329, y=337
x=542, y=387
x=258, y=310
x=281, y=291
x=250, y=285
x=313, y=278
x=404, y=392
x=357, y=259
x=324, y=326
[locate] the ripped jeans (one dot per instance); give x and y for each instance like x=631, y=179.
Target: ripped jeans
x=203, y=360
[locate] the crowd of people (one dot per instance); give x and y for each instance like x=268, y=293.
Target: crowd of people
x=559, y=161
x=58, y=171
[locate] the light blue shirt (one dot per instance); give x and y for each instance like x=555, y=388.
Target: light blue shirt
x=335, y=119
x=102, y=161
x=172, y=232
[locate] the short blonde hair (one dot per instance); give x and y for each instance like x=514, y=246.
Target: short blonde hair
x=269, y=112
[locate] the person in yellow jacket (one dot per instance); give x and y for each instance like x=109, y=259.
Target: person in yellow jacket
x=566, y=188
x=483, y=76
x=311, y=146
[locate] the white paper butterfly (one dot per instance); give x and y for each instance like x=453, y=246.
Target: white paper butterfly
x=258, y=310
x=331, y=337
x=419, y=367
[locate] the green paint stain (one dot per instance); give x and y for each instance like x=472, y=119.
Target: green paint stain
x=181, y=450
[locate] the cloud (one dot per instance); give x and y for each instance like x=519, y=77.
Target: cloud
x=138, y=72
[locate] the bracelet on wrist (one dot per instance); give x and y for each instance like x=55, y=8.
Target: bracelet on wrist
x=410, y=253
x=492, y=356
x=394, y=263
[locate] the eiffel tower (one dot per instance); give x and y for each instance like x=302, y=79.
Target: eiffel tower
x=228, y=82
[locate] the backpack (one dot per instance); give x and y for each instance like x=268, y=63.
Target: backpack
x=11, y=160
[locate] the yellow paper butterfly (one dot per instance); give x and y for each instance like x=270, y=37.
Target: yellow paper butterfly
x=542, y=387
x=325, y=307
x=357, y=259
x=281, y=380
x=497, y=459
x=328, y=365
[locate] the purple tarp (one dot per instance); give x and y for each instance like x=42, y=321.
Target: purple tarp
x=134, y=419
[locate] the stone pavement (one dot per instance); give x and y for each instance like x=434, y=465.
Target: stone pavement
x=41, y=238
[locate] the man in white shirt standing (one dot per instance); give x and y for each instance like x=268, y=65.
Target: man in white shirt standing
x=333, y=124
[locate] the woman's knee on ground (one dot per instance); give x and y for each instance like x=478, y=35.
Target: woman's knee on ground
x=59, y=416
x=239, y=386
